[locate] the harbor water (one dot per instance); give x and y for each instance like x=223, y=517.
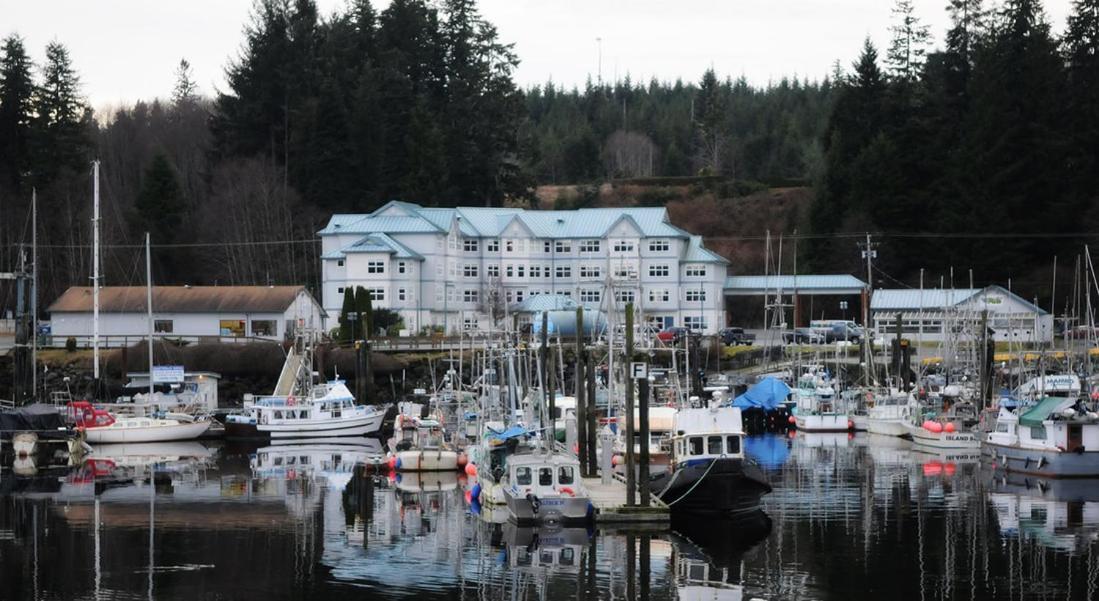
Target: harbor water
x=850, y=517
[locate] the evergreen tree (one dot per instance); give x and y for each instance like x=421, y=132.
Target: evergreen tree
x=908, y=50
x=160, y=204
x=1081, y=49
x=709, y=123
x=364, y=306
x=348, y=307
x=16, y=112
x=60, y=128
x=185, y=90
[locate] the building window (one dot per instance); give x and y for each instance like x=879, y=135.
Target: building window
x=162, y=326
x=469, y=245
x=509, y=270
x=589, y=296
x=492, y=246
x=623, y=246
x=339, y=290
x=547, y=247
x=694, y=322
x=509, y=245
x=520, y=271
x=231, y=327
x=659, y=296
x=624, y=296
x=695, y=271
x=658, y=271
x=375, y=267
x=339, y=263
x=562, y=246
x=470, y=296
x=518, y=296
x=547, y=272
x=376, y=294
x=492, y=271
x=470, y=271
x=564, y=271
x=535, y=271
x=697, y=296
x=264, y=327
x=400, y=267
x=625, y=272
x=589, y=246
x=401, y=295
x=589, y=271
x=470, y=323
x=659, y=246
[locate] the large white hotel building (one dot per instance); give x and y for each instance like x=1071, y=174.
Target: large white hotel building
x=457, y=267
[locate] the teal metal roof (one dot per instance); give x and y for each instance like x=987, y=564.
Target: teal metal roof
x=697, y=253
x=375, y=243
x=818, y=284
x=934, y=299
x=489, y=222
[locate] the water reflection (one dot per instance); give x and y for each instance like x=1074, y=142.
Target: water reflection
x=858, y=517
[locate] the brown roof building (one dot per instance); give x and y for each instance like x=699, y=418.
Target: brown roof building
x=271, y=312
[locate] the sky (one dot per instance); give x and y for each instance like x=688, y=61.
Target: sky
x=127, y=50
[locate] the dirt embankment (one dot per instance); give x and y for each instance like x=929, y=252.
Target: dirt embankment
x=733, y=217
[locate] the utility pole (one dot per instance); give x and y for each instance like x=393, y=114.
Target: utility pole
x=34, y=293
x=631, y=461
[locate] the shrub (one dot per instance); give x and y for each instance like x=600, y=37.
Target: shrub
x=70, y=344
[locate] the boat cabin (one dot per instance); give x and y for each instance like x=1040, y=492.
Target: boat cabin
x=703, y=434
x=326, y=402
x=544, y=475
x=1053, y=424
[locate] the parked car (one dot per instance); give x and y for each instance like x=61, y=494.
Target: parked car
x=736, y=336
x=803, y=336
x=844, y=330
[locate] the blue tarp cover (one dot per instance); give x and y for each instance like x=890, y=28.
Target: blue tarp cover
x=768, y=393
x=512, y=432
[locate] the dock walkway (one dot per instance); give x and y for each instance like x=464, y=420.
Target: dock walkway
x=610, y=505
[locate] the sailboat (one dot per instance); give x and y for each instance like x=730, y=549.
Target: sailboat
x=100, y=426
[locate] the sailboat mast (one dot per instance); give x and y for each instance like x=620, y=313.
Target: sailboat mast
x=95, y=274
x=34, y=292
x=149, y=306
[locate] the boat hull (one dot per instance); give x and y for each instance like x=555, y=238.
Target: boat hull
x=944, y=440
x=426, y=461
x=887, y=427
x=554, y=510
x=160, y=433
x=349, y=426
x=1045, y=463
x=837, y=422
x=861, y=423
x=729, y=487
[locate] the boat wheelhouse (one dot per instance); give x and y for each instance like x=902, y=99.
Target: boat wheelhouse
x=545, y=488
x=329, y=410
x=1057, y=437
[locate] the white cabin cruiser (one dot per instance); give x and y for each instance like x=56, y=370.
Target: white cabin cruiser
x=545, y=487
x=891, y=414
x=816, y=409
x=329, y=410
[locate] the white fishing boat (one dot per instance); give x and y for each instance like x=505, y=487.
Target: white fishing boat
x=328, y=410
x=420, y=445
x=490, y=459
x=891, y=414
x=1058, y=437
x=817, y=409
x=545, y=487
x=950, y=426
x=102, y=427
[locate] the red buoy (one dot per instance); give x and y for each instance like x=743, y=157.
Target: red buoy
x=471, y=469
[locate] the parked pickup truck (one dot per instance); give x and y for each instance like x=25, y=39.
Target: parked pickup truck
x=736, y=337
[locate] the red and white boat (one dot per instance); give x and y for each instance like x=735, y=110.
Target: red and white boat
x=100, y=426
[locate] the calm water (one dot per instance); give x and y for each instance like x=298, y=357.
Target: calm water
x=850, y=518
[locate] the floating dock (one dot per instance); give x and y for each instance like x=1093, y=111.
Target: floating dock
x=611, y=509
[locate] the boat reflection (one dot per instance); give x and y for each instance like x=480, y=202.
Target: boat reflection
x=1061, y=514
x=545, y=549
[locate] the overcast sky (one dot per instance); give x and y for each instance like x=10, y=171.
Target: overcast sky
x=127, y=50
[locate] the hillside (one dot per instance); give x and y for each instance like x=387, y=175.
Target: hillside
x=733, y=222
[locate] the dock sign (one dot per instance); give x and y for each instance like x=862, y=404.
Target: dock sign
x=640, y=370
x=167, y=374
